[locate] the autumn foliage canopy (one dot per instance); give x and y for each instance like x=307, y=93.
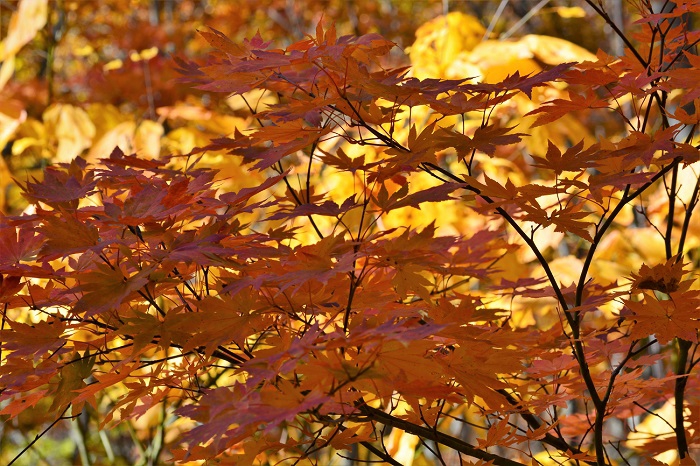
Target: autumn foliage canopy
x=488, y=268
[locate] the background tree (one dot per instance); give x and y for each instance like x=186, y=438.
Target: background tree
x=339, y=258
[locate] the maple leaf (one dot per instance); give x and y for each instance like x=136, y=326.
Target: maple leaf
x=666, y=319
x=408, y=278
x=221, y=320
x=572, y=159
x=401, y=363
x=219, y=41
x=19, y=405
x=499, y=433
x=319, y=262
x=71, y=380
x=666, y=277
x=435, y=194
x=526, y=83
x=106, y=288
x=29, y=340
x=9, y=285
x=570, y=219
x=681, y=79
x=18, y=245
x=559, y=107
x=103, y=381
x=159, y=283
x=476, y=371
x=327, y=208
x=271, y=152
x=62, y=188
x=343, y=437
x=240, y=198
x=341, y=161
x=117, y=158
x=67, y=235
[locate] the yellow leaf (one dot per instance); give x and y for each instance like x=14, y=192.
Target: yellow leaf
x=149, y=53
x=147, y=139
x=554, y=51
x=183, y=140
x=83, y=51
x=105, y=117
x=29, y=18
x=12, y=114
x=113, y=65
x=566, y=269
x=121, y=136
x=6, y=70
x=498, y=59
x=570, y=11
x=6, y=178
x=439, y=41
x=402, y=446
x=72, y=128
x=144, y=55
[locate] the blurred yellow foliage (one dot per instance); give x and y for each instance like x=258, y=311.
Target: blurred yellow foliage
x=29, y=18
x=441, y=40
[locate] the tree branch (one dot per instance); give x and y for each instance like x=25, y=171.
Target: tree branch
x=436, y=436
